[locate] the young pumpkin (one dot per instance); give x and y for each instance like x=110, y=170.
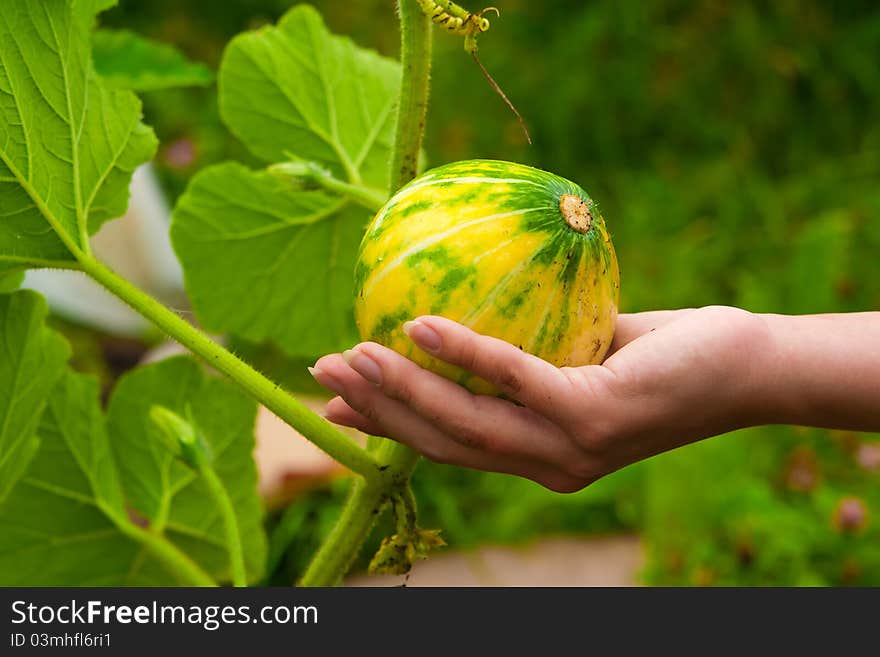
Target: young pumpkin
x=508, y=250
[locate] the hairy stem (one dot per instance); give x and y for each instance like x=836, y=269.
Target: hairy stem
x=415, y=59
x=310, y=174
x=333, y=559
x=405, y=508
x=230, y=524
x=271, y=395
x=397, y=461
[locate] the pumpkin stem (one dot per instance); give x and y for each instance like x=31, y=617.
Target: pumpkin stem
x=576, y=212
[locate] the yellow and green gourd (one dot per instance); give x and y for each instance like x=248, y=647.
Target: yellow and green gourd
x=507, y=250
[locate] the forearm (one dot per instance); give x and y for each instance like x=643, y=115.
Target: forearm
x=822, y=370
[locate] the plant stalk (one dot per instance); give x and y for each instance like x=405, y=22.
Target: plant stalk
x=230, y=524
x=416, y=39
x=333, y=559
x=310, y=174
x=271, y=395
x=172, y=558
x=397, y=461
x=412, y=110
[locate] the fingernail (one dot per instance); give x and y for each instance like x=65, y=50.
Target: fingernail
x=423, y=335
x=363, y=365
x=326, y=380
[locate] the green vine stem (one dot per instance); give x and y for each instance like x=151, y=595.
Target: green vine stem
x=166, y=552
x=415, y=60
x=333, y=559
x=310, y=174
x=416, y=38
x=397, y=461
x=186, y=442
x=271, y=395
x=405, y=508
x=230, y=524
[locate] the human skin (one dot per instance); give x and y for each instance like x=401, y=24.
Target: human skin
x=670, y=378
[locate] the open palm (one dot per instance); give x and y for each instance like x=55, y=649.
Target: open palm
x=671, y=377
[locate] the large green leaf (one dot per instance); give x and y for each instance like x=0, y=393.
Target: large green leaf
x=298, y=90
x=162, y=489
x=68, y=144
x=32, y=358
x=10, y=282
x=130, y=61
x=267, y=262
x=60, y=525
x=263, y=259
x=70, y=519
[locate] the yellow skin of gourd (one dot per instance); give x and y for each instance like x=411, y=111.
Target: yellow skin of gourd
x=499, y=250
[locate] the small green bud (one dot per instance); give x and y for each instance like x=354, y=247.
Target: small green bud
x=180, y=436
x=303, y=174
x=289, y=169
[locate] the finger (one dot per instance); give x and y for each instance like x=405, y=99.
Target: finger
x=486, y=423
x=339, y=412
x=393, y=419
x=389, y=417
x=505, y=435
x=521, y=376
x=634, y=325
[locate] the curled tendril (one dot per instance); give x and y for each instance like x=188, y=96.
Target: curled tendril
x=470, y=25
x=482, y=24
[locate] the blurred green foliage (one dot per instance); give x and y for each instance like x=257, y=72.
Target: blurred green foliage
x=735, y=151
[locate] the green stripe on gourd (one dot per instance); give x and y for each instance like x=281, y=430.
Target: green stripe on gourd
x=506, y=249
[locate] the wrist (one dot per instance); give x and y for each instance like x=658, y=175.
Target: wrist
x=771, y=396
x=793, y=385
x=754, y=394
x=822, y=371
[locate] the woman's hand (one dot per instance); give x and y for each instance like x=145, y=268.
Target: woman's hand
x=671, y=377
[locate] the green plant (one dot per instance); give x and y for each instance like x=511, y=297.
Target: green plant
x=736, y=146
x=160, y=488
